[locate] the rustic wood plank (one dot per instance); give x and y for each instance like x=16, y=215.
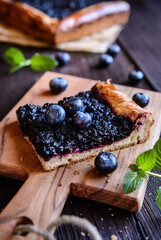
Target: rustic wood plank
x=141, y=39
x=85, y=184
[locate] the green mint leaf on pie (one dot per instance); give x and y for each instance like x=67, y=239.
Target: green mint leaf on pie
x=141, y=173
x=157, y=151
x=13, y=56
x=132, y=181
x=133, y=167
x=146, y=160
x=41, y=63
x=158, y=197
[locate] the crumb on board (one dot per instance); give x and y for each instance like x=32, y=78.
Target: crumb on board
x=60, y=184
x=21, y=159
x=112, y=215
x=76, y=172
x=113, y=237
x=82, y=234
x=107, y=181
x=101, y=219
x=69, y=166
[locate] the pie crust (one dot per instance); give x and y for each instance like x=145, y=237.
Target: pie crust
x=121, y=105
x=82, y=23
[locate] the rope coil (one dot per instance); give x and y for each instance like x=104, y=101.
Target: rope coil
x=65, y=219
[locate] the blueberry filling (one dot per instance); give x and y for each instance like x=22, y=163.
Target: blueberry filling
x=59, y=8
x=65, y=137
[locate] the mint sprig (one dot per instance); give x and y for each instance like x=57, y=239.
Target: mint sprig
x=37, y=62
x=145, y=162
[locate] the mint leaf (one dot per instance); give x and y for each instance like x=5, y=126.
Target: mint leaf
x=41, y=63
x=141, y=173
x=132, y=181
x=133, y=167
x=146, y=160
x=15, y=68
x=13, y=56
x=158, y=197
x=157, y=151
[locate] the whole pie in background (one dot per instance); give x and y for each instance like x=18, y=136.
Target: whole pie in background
x=71, y=25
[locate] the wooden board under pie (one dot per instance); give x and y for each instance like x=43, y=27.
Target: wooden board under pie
x=43, y=194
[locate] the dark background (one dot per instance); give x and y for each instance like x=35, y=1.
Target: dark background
x=140, y=44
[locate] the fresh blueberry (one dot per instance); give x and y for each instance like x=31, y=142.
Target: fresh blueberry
x=72, y=5
x=55, y=114
x=82, y=119
x=135, y=77
x=106, y=162
x=73, y=105
x=113, y=50
x=142, y=99
x=63, y=58
x=58, y=85
x=105, y=60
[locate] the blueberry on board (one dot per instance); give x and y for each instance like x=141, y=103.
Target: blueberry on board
x=55, y=114
x=63, y=58
x=73, y=105
x=105, y=60
x=58, y=85
x=82, y=119
x=142, y=99
x=135, y=77
x=113, y=50
x=106, y=162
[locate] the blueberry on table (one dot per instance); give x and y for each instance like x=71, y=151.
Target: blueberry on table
x=135, y=77
x=63, y=58
x=106, y=162
x=142, y=99
x=105, y=60
x=73, y=105
x=113, y=50
x=82, y=119
x=58, y=85
x=55, y=114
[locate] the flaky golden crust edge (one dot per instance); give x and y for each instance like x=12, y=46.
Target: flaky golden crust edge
x=120, y=102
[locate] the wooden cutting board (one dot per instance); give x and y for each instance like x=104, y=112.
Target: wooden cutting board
x=43, y=194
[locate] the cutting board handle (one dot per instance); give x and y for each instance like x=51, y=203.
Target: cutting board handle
x=39, y=201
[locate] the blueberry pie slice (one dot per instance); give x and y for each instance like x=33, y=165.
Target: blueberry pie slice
x=81, y=126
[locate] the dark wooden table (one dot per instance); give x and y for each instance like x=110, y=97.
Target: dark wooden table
x=141, y=49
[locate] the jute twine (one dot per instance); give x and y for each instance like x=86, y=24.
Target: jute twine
x=65, y=219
